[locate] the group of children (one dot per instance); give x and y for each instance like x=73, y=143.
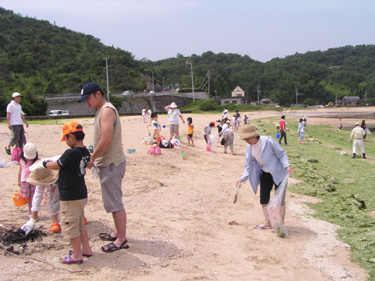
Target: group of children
x=69, y=195
x=156, y=128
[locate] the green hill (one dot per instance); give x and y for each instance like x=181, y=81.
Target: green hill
x=40, y=59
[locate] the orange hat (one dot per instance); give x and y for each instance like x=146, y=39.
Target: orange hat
x=71, y=127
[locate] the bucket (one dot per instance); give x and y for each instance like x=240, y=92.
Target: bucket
x=277, y=136
x=3, y=162
x=18, y=200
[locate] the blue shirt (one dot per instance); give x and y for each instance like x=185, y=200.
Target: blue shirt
x=274, y=158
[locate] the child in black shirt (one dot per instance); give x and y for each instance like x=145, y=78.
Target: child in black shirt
x=73, y=192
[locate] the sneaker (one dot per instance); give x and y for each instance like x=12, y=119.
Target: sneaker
x=55, y=228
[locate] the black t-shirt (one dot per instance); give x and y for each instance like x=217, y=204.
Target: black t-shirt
x=72, y=172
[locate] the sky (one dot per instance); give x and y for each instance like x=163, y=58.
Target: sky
x=261, y=29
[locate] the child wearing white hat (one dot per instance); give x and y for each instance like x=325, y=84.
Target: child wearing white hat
x=28, y=158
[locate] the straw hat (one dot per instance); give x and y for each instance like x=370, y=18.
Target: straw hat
x=249, y=131
x=29, y=151
x=43, y=176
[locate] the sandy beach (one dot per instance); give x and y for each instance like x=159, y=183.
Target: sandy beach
x=182, y=223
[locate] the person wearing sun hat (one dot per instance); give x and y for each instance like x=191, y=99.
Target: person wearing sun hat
x=15, y=120
x=358, y=135
x=266, y=164
x=173, y=115
x=73, y=191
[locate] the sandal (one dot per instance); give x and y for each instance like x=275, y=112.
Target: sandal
x=107, y=237
x=111, y=247
x=7, y=150
x=69, y=260
x=71, y=253
x=55, y=228
x=261, y=226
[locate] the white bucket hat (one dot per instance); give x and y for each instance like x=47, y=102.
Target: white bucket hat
x=173, y=105
x=29, y=151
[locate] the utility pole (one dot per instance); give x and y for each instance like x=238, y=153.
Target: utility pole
x=192, y=78
x=106, y=71
x=258, y=91
x=163, y=82
x=296, y=96
x=209, y=80
x=153, y=85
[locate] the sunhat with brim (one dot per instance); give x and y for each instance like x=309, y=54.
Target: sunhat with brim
x=173, y=105
x=249, y=131
x=43, y=176
x=356, y=124
x=29, y=151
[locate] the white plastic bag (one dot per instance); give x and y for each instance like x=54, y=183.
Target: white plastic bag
x=214, y=141
x=275, y=209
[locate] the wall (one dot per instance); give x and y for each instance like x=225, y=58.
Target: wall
x=130, y=105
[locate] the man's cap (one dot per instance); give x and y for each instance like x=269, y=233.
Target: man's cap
x=16, y=94
x=88, y=89
x=212, y=124
x=71, y=127
x=356, y=124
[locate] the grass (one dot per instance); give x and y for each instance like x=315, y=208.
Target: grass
x=345, y=185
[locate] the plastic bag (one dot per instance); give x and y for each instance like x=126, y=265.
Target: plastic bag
x=275, y=209
x=214, y=141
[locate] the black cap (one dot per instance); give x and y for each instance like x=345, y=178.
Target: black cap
x=88, y=89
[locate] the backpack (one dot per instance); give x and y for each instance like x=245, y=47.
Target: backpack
x=16, y=155
x=154, y=150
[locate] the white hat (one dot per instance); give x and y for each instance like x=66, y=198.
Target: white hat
x=173, y=105
x=29, y=151
x=16, y=94
x=356, y=124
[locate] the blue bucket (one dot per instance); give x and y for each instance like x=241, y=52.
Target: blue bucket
x=277, y=136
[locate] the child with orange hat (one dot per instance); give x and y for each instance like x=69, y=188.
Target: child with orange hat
x=73, y=191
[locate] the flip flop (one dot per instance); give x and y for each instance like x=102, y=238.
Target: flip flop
x=69, y=260
x=261, y=226
x=7, y=150
x=111, y=247
x=71, y=253
x=107, y=237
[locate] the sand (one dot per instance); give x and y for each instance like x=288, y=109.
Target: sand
x=182, y=223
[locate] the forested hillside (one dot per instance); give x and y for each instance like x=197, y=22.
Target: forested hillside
x=317, y=76
x=40, y=59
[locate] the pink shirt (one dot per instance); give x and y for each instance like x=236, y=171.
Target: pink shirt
x=282, y=124
x=25, y=172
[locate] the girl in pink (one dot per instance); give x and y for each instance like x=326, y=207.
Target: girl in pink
x=28, y=157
